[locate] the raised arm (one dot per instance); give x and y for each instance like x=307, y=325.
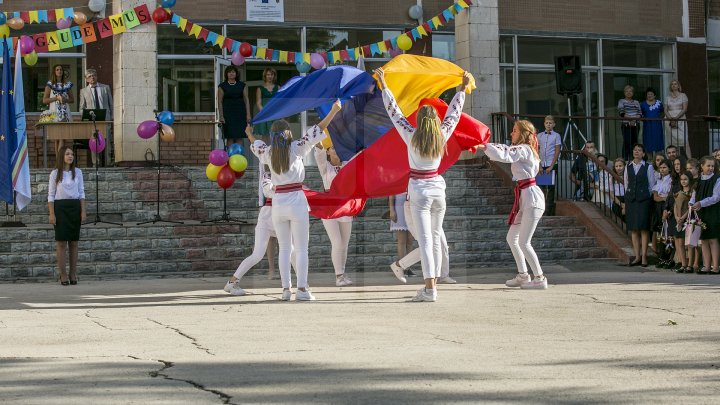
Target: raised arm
x=454, y=111
x=337, y=106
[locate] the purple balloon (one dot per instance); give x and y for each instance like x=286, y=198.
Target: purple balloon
x=218, y=157
x=147, y=129
x=27, y=45
x=317, y=61
x=97, y=146
x=237, y=58
x=63, y=23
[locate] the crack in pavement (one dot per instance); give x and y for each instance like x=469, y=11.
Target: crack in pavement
x=92, y=319
x=225, y=398
x=447, y=340
x=598, y=301
x=185, y=335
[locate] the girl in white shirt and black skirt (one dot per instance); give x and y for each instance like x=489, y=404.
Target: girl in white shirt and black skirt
x=66, y=203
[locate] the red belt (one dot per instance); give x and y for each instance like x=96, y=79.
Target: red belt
x=423, y=174
x=288, y=188
x=268, y=202
x=521, y=185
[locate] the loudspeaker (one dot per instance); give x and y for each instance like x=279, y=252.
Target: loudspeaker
x=568, y=75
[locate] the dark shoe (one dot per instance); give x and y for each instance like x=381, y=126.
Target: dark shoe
x=633, y=262
x=680, y=270
x=64, y=282
x=73, y=282
x=409, y=273
x=661, y=264
x=689, y=269
x=713, y=272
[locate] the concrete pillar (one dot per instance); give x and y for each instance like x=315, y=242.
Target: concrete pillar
x=477, y=42
x=134, y=86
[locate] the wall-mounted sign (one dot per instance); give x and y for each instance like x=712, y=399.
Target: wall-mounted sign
x=265, y=10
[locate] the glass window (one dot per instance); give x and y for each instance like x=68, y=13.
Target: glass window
x=443, y=46
x=714, y=81
x=506, y=49
x=173, y=41
x=328, y=39
x=188, y=84
x=508, y=93
x=35, y=78
x=637, y=54
x=545, y=50
x=283, y=39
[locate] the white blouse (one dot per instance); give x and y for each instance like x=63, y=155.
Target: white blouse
x=713, y=199
x=663, y=187
x=523, y=165
x=68, y=189
x=406, y=130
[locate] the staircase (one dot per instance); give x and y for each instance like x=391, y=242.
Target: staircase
x=475, y=226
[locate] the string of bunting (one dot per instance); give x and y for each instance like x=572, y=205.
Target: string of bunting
x=41, y=16
x=403, y=41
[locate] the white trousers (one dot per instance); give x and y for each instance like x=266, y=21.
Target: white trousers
x=262, y=237
x=339, y=234
x=519, y=237
x=414, y=257
x=427, y=208
x=292, y=226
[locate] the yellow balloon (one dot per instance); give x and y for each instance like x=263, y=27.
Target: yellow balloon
x=4, y=31
x=404, y=42
x=327, y=142
x=16, y=23
x=31, y=58
x=238, y=163
x=212, y=171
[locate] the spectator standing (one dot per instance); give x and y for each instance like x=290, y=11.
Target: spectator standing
x=549, y=143
x=652, y=135
x=629, y=109
x=582, y=171
x=676, y=105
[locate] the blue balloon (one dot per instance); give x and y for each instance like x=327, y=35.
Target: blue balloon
x=235, y=149
x=167, y=118
x=3, y=18
x=168, y=4
x=303, y=67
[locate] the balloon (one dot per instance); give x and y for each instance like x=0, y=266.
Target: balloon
x=166, y=117
x=167, y=134
x=218, y=157
x=168, y=3
x=80, y=18
x=147, y=129
x=226, y=177
x=31, y=58
x=96, y=6
x=235, y=149
x=4, y=30
x=245, y=49
x=3, y=18
x=317, y=61
x=27, y=45
x=239, y=174
x=404, y=42
x=16, y=23
x=211, y=171
x=302, y=67
x=160, y=15
x=238, y=163
x=97, y=146
x=63, y=23
x=237, y=59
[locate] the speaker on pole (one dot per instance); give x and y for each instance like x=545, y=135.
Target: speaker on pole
x=568, y=75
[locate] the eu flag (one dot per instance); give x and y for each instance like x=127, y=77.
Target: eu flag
x=8, y=137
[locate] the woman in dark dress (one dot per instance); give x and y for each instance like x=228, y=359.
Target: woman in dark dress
x=234, y=107
x=263, y=94
x=639, y=181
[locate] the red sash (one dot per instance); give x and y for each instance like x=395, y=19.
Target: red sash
x=423, y=174
x=521, y=185
x=268, y=202
x=288, y=188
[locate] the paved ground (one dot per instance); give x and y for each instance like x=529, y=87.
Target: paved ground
x=598, y=335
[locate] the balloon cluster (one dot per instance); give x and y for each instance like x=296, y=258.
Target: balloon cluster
x=225, y=167
x=147, y=129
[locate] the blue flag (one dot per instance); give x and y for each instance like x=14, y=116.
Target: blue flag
x=8, y=137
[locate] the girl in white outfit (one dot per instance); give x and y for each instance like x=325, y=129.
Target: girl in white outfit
x=529, y=201
x=290, y=207
x=426, y=188
x=338, y=229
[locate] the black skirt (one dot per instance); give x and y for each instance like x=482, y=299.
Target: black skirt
x=638, y=215
x=67, y=220
x=711, y=217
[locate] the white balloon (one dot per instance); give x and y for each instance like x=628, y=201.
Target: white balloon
x=96, y=6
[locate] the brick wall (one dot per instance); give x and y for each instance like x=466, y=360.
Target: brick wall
x=714, y=9
x=192, y=143
x=697, y=18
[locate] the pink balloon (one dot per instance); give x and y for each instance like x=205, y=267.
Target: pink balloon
x=147, y=129
x=218, y=157
x=97, y=146
x=27, y=45
x=317, y=61
x=63, y=23
x=237, y=58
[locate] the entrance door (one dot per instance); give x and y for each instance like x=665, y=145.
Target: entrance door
x=220, y=65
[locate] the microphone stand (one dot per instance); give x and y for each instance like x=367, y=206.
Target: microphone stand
x=97, y=188
x=157, y=218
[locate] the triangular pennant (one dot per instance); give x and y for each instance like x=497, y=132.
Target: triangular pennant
x=51, y=17
x=33, y=17
x=436, y=21
x=344, y=55
x=291, y=57
x=175, y=19
x=203, y=33
x=282, y=56
x=25, y=16
x=274, y=54
x=306, y=58
x=462, y=4
x=374, y=49
x=195, y=30
x=331, y=58
x=415, y=34
x=228, y=44
x=381, y=47
x=42, y=16
x=420, y=31
x=449, y=15
x=211, y=37
x=182, y=24
x=69, y=12
x=235, y=46
x=59, y=14
x=219, y=41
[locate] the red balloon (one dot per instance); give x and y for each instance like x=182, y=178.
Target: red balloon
x=160, y=15
x=239, y=174
x=226, y=177
x=245, y=49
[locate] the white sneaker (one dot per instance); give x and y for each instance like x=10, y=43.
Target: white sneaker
x=343, y=281
x=304, y=296
x=446, y=280
x=520, y=279
x=286, y=295
x=423, y=296
x=234, y=288
x=538, y=283
x=398, y=271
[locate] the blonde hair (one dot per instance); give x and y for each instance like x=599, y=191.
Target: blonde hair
x=527, y=135
x=427, y=140
x=550, y=118
x=280, y=140
x=274, y=72
x=679, y=85
x=628, y=87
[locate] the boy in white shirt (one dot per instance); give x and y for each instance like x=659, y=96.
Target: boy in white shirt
x=549, y=143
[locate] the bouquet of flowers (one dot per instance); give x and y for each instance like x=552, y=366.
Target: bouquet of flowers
x=48, y=116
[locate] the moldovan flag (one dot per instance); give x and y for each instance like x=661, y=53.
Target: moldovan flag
x=8, y=142
x=20, y=164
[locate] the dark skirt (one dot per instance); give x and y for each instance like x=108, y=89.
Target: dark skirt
x=638, y=214
x=711, y=217
x=657, y=221
x=67, y=220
